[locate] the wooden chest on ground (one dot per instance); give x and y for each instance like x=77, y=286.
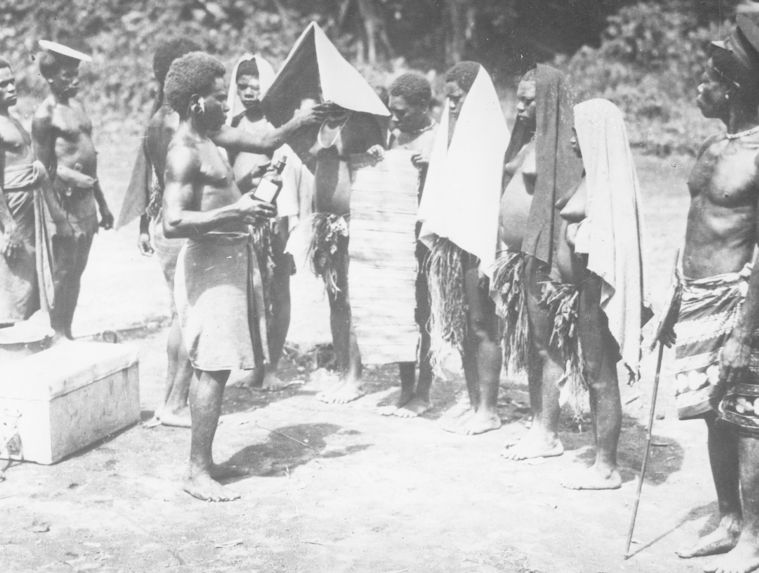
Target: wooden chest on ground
x=66, y=398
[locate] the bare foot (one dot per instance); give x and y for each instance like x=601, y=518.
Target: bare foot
x=744, y=558
x=347, y=392
x=203, y=487
x=721, y=540
x=478, y=423
x=273, y=383
x=594, y=478
x=413, y=408
x=174, y=419
x=534, y=445
x=387, y=410
x=221, y=472
x=252, y=379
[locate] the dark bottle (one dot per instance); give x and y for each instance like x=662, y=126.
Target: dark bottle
x=271, y=184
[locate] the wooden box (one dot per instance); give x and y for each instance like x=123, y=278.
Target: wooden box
x=67, y=397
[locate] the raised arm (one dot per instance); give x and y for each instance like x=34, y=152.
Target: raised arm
x=182, y=216
x=237, y=140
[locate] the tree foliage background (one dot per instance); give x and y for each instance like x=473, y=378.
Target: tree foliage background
x=645, y=56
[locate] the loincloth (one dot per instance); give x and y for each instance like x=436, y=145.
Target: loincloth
x=218, y=294
x=708, y=309
x=328, y=251
x=740, y=405
x=79, y=205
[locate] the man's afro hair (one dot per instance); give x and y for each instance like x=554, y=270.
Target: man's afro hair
x=413, y=87
x=168, y=51
x=193, y=73
x=463, y=74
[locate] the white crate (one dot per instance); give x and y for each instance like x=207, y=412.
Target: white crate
x=68, y=397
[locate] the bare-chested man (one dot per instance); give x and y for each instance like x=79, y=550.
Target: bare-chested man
x=62, y=134
x=410, y=96
x=25, y=197
x=218, y=312
x=715, y=326
x=145, y=197
x=541, y=278
x=345, y=132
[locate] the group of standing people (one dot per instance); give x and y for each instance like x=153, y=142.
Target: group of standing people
x=527, y=244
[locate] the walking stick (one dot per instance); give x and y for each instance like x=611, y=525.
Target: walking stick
x=642, y=476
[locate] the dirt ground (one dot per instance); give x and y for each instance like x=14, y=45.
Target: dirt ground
x=341, y=488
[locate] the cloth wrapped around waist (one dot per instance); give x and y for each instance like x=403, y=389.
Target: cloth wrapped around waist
x=708, y=309
x=218, y=293
x=26, y=283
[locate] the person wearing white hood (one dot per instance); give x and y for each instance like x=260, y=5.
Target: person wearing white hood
x=251, y=77
x=459, y=216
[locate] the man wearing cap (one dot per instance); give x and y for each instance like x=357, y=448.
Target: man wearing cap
x=713, y=313
x=62, y=134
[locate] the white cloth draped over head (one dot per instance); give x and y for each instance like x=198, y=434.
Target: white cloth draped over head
x=297, y=180
x=462, y=192
x=612, y=230
x=265, y=78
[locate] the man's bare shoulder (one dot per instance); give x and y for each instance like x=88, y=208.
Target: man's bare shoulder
x=45, y=110
x=182, y=156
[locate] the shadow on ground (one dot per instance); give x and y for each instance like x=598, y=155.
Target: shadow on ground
x=291, y=446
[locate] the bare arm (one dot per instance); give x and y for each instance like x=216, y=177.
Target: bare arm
x=182, y=217
x=736, y=353
x=237, y=140
x=43, y=140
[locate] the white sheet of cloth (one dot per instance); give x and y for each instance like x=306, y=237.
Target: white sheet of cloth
x=297, y=180
x=462, y=192
x=338, y=80
x=612, y=231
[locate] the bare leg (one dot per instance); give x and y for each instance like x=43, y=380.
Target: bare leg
x=599, y=352
x=280, y=299
x=420, y=402
x=206, y=393
x=346, y=349
x=70, y=259
x=744, y=557
x=543, y=371
x=723, y=458
x=482, y=358
x=174, y=411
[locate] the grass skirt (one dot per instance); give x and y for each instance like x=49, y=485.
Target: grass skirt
x=328, y=251
x=448, y=321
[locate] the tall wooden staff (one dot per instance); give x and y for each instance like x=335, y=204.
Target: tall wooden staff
x=654, y=393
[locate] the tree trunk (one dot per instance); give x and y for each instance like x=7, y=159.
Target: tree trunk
x=458, y=16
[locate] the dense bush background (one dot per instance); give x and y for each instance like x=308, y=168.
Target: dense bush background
x=646, y=57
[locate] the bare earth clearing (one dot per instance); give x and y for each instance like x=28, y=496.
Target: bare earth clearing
x=336, y=488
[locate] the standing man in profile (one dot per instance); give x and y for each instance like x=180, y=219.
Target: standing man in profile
x=715, y=306
x=62, y=136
